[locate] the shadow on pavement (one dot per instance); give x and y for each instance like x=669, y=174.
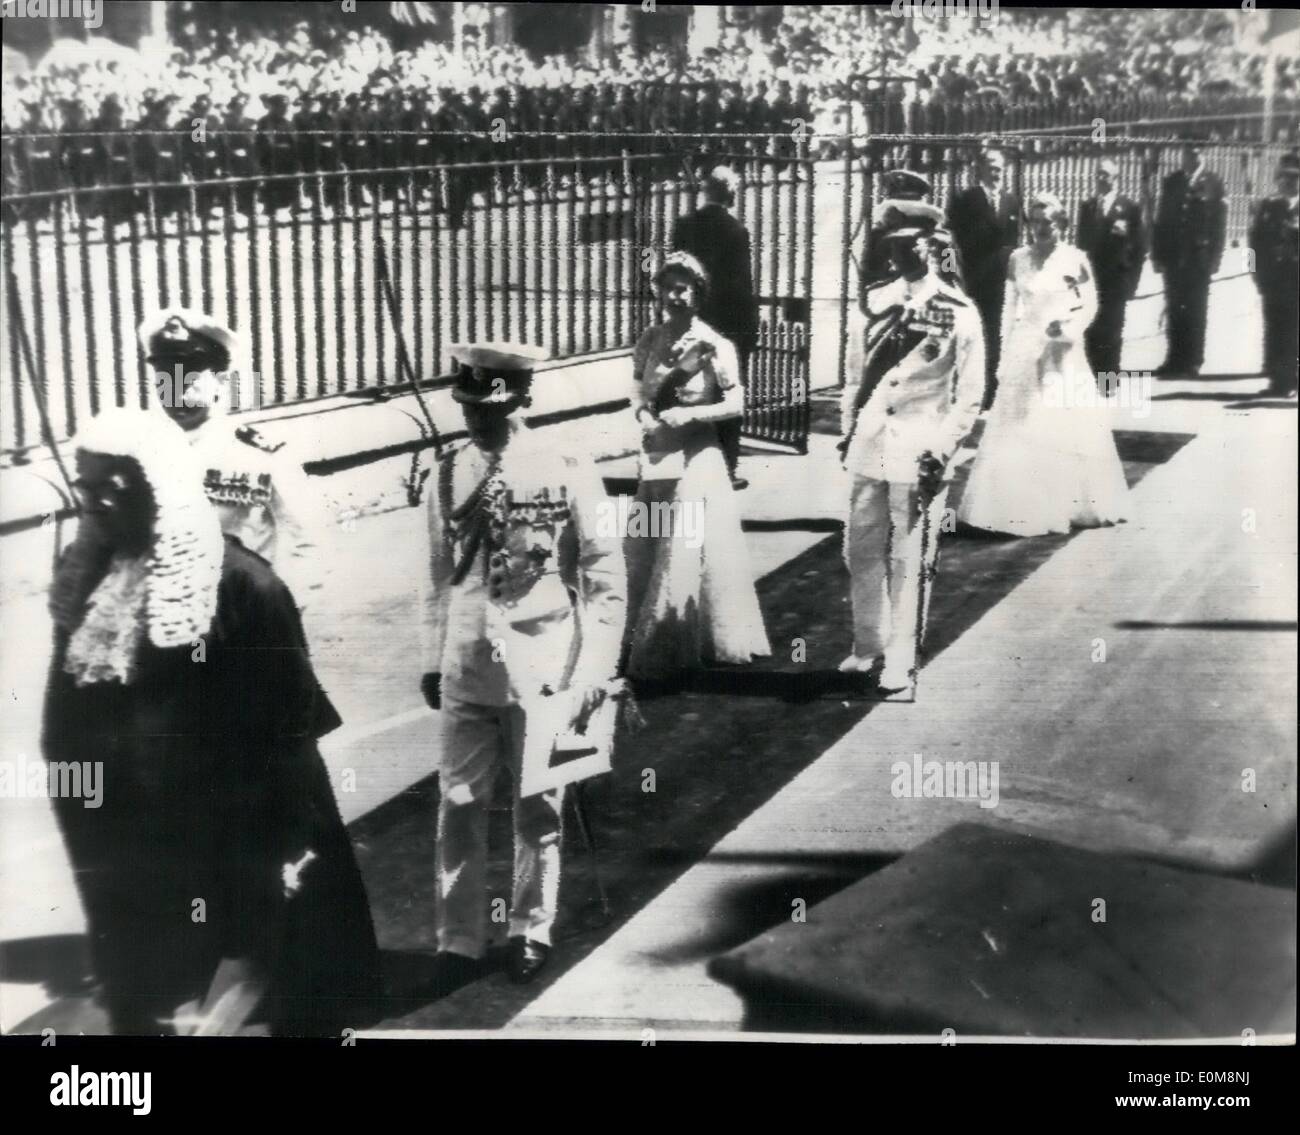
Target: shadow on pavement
x=720, y=746
x=1208, y=625
x=750, y=908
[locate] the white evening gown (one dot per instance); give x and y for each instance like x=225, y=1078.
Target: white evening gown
x=691, y=601
x=1047, y=459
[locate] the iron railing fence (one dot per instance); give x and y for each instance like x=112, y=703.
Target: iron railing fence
x=333, y=277
x=111, y=161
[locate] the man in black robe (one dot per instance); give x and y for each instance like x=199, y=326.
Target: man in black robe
x=180, y=666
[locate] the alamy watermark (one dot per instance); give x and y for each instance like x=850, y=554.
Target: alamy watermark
x=89, y=12
x=39, y=780
x=948, y=780
x=1120, y=390
x=944, y=9
x=682, y=519
x=179, y=387
x=75, y=1088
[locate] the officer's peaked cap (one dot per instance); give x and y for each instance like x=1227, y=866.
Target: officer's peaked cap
x=910, y=219
x=183, y=335
x=494, y=372
x=906, y=183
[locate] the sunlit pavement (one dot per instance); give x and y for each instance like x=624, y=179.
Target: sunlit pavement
x=1129, y=753
x=1123, y=690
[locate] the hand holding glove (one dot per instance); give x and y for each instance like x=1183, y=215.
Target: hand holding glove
x=929, y=479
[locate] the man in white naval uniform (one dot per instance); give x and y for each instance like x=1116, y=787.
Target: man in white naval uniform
x=921, y=390
x=528, y=601
x=261, y=494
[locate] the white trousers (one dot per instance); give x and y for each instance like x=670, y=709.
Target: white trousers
x=882, y=548
x=476, y=741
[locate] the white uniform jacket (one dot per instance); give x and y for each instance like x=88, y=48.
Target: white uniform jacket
x=930, y=395
x=527, y=587
x=266, y=501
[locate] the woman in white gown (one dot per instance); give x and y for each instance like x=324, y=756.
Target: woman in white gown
x=691, y=597
x=1047, y=459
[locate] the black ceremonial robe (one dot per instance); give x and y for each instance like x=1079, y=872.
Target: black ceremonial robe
x=212, y=780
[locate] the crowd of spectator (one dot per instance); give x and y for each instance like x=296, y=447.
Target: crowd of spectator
x=338, y=99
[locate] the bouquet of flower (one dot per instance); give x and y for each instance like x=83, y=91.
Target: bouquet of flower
x=689, y=382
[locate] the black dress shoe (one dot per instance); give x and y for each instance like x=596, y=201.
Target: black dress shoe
x=738, y=483
x=526, y=959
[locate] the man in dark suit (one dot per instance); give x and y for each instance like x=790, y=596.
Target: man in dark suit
x=1191, y=225
x=985, y=222
x=720, y=242
x=1110, y=234
x=1275, y=248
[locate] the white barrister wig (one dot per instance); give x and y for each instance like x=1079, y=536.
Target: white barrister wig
x=185, y=561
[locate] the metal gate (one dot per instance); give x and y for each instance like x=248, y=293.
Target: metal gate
x=776, y=206
x=549, y=249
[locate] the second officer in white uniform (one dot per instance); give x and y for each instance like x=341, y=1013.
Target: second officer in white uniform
x=921, y=390
x=261, y=493
x=528, y=601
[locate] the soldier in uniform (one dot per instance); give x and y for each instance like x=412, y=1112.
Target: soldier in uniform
x=239, y=154
x=388, y=143
x=277, y=153
x=77, y=155
x=1275, y=243
x=416, y=123
x=518, y=564
x=783, y=114
x=305, y=123
x=1190, y=229
x=114, y=161
x=328, y=149
x=921, y=389
x=330, y=155
x=458, y=147
x=203, y=154
x=261, y=493
x=40, y=172
x=159, y=158
x=358, y=153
